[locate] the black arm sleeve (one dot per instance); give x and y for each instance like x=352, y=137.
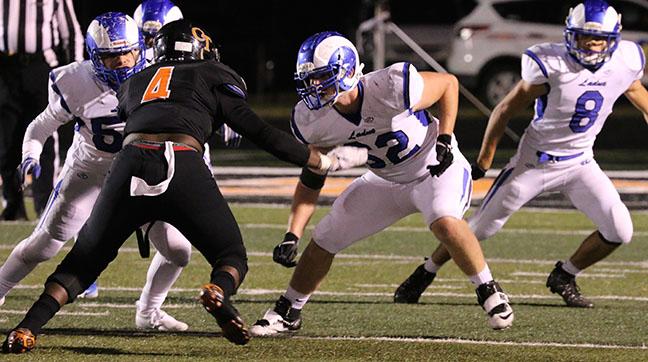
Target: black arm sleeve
x=243, y=120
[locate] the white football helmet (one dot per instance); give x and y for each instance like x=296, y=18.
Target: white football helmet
x=151, y=15
x=327, y=65
x=593, y=18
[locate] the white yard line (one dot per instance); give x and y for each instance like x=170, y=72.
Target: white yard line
x=477, y=342
x=276, y=292
x=61, y=312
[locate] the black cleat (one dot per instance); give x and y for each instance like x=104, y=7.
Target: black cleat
x=564, y=284
x=19, y=340
x=411, y=289
x=227, y=317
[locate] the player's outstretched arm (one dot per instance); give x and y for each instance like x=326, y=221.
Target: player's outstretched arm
x=638, y=95
x=514, y=102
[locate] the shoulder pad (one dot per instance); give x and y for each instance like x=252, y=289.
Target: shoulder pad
x=633, y=55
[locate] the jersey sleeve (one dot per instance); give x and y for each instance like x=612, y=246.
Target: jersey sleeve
x=47, y=122
x=405, y=84
x=534, y=69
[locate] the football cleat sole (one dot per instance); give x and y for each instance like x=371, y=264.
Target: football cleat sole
x=227, y=317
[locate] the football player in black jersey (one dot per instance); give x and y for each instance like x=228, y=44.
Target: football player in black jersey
x=170, y=109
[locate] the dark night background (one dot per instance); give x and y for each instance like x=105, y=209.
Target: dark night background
x=260, y=39
x=258, y=36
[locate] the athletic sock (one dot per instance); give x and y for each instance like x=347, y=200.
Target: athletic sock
x=296, y=299
x=482, y=277
x=225, y=281
x=430, y=266
x=40, y=313
x=569, y=267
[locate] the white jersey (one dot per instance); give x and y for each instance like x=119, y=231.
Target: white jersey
x=579, y=101
x=400, y=142
x=76, y=94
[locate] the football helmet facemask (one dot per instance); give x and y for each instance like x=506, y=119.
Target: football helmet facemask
x=327, y=65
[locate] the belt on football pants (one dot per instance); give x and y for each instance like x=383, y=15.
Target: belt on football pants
x=544, y=157
x=150, y=145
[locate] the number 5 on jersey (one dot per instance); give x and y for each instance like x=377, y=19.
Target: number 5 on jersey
x=158, y=87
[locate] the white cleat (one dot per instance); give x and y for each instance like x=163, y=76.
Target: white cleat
x=273, y=324
x=496, y=304
x=158, y=320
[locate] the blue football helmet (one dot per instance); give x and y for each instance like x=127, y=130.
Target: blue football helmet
x=593, y=18
x=327, y=65
x=151, y=15
x=112, y=34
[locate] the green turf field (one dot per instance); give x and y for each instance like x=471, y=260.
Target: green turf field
x=353, y=318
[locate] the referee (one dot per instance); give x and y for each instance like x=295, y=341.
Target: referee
x=35, y=36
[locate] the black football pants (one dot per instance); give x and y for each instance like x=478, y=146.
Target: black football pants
x=192, y=203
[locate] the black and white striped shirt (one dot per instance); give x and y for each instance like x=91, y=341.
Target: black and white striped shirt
x=30, y=26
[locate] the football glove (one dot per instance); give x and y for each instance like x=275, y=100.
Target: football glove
x=443, y=155
x=476, y=171
x=230, y=137
x=286, y=252
x=345, y=157
x=29, y=166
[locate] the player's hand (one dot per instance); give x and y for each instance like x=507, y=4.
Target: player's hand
x=230, y=137
x=345, y=157
x=476, y=171
x=286, y=252
x=443, y=155
x=29, y=166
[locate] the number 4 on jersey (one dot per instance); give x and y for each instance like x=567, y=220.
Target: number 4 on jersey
x=158, y=87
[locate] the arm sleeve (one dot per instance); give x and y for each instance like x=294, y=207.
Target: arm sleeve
x=70, y=31
x=242, y=119
x=45, y=124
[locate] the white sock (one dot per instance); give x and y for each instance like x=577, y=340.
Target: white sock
x=160, y=277
x=569, y=267
x=296, y=299
x=482, y=277
x=431, y=266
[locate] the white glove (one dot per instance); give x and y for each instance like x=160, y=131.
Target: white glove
x=345, y=157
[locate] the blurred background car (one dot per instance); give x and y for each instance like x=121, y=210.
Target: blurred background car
x=487, y=44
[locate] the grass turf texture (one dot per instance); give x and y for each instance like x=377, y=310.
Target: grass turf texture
x=353, y=317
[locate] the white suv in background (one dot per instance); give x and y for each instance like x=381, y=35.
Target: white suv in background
x=488, y=43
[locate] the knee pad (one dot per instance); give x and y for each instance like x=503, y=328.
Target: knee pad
x=618, y=228
x=39, y=247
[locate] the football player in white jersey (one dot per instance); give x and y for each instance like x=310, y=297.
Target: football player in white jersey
x=150, y=16
x=86, y=93
x=575, y=85
x=415, y=166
